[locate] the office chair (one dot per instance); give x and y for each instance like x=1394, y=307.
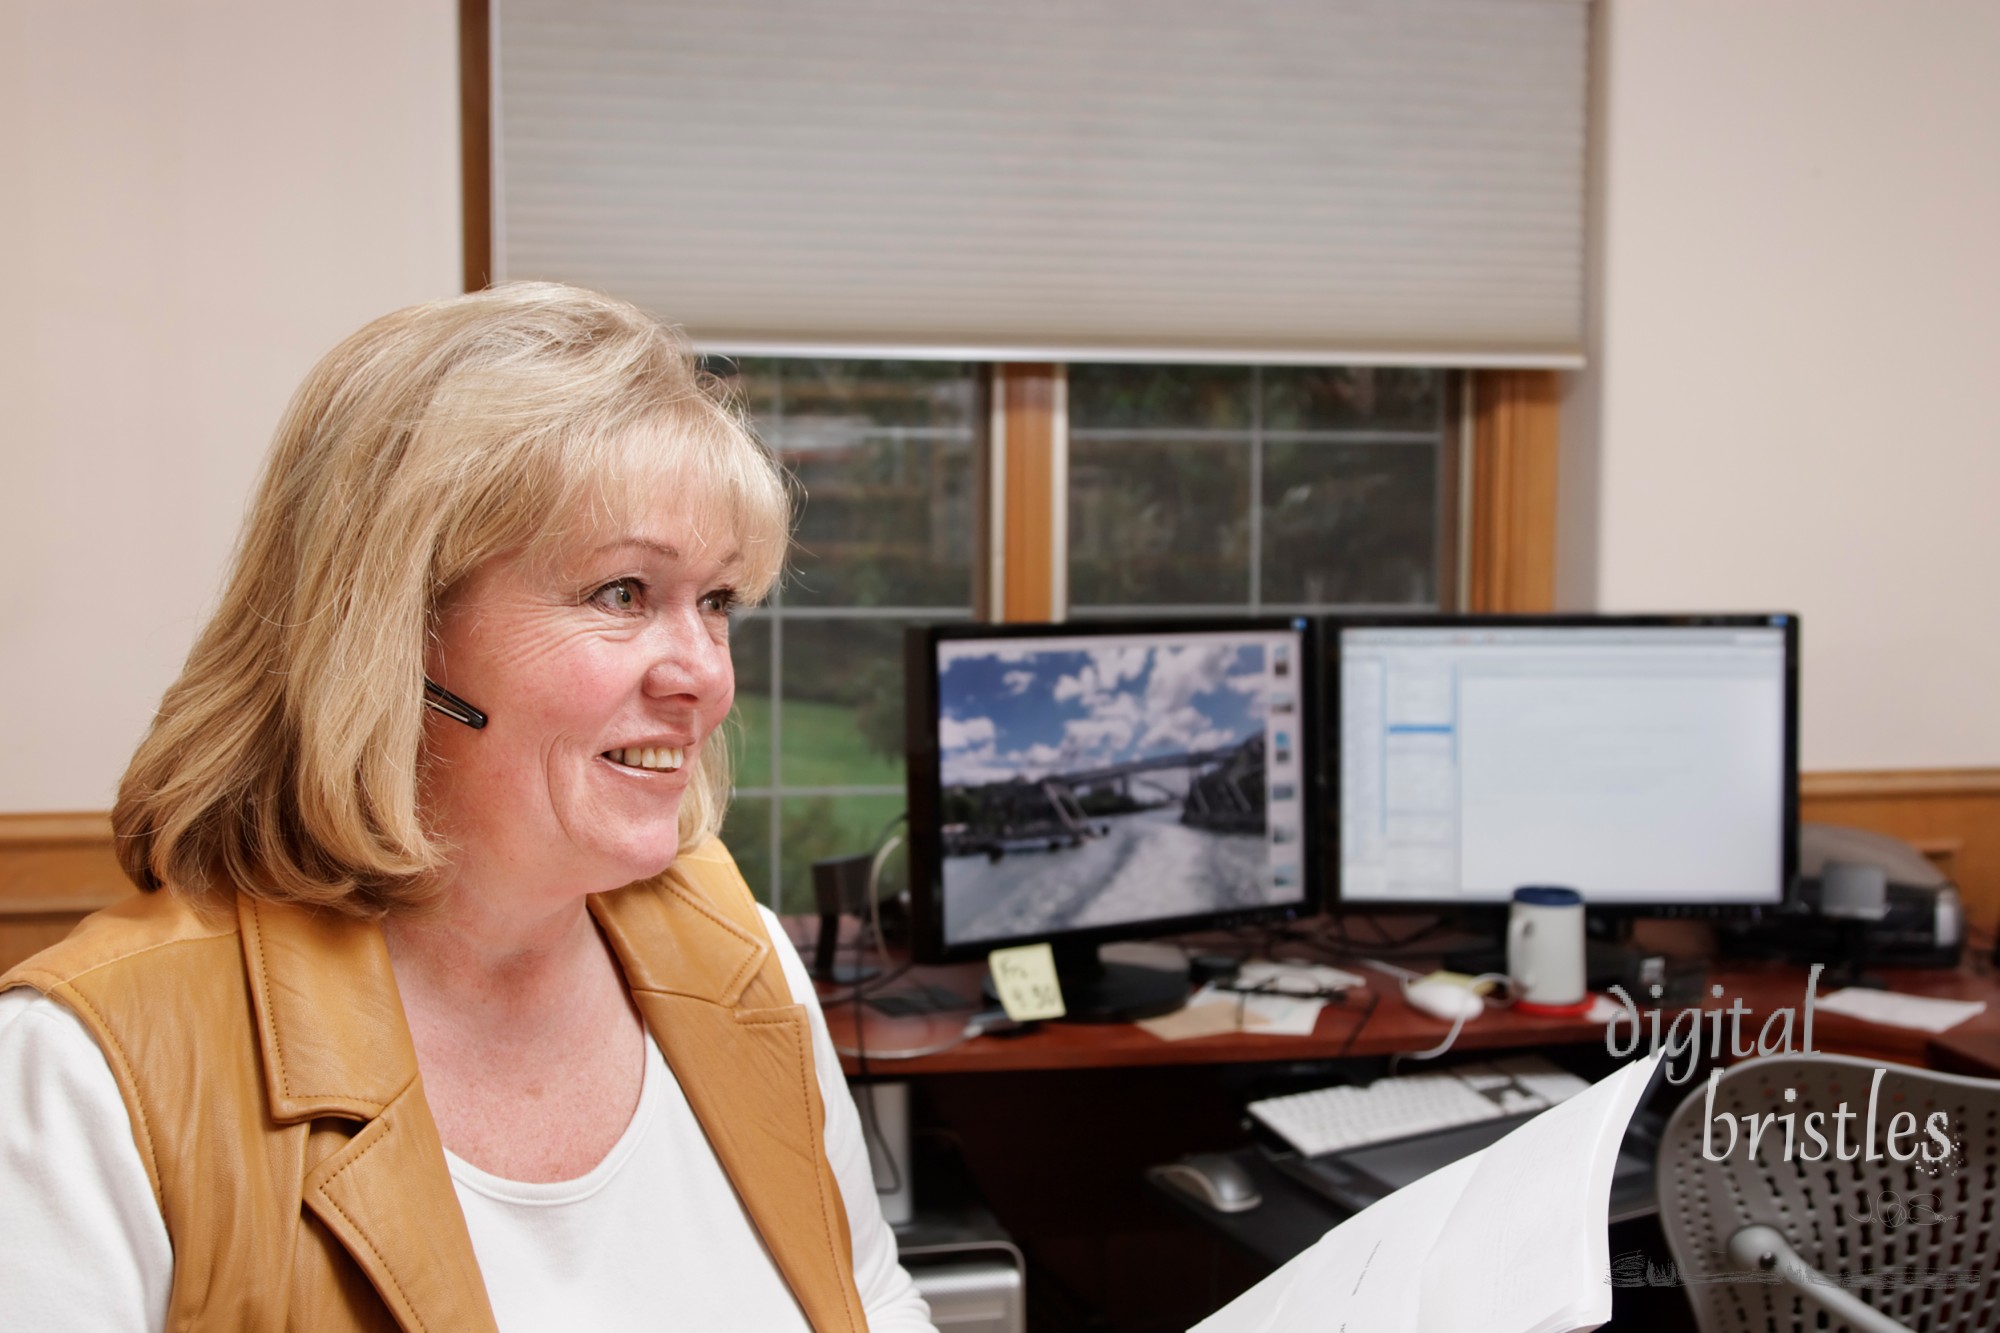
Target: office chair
x=1784, y=1246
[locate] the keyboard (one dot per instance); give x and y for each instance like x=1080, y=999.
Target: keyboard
x=1335, y=1119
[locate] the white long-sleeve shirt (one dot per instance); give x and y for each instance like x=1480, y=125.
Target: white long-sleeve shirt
x=651, y=1237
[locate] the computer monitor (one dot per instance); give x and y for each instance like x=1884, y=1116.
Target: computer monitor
x=1649, y=762
x=1080, y=783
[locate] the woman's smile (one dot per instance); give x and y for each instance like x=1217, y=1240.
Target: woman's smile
x=603, y=674
x=649, y=758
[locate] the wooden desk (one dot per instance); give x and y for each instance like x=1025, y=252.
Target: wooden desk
x=1057, y=1126
x=1968, y=1049
x=1351, y=1030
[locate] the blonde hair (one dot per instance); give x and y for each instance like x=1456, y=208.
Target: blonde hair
x=285, y=762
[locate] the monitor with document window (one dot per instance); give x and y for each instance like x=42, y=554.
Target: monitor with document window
x=1650, y=762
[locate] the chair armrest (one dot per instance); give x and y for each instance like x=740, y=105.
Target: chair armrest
x=1760, y=1248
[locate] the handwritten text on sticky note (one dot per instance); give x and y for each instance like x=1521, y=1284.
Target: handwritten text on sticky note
x=1025, y=978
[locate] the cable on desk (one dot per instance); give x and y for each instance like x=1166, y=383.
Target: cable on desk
x=1389, y=969
x=1424, y=931
x=871, y=1127
x=1396, y=1060
x=861, y=988
x=1337, y=927
x=1457, y=1024
x=886, y=842
x=974, y=1027
x=1348, y=1043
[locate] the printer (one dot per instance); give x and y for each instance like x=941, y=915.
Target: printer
x=1924, y=925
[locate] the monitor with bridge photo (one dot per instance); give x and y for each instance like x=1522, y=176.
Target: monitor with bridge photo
x=1079, y=783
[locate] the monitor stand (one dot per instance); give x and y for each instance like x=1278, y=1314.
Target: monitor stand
x=1095, y=991
x=1852, y=967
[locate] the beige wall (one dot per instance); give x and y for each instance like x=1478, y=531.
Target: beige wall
x=196, y=201
x=1799, y=317
x=1792, y=397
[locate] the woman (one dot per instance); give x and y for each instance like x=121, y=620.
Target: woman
x=450, y=1017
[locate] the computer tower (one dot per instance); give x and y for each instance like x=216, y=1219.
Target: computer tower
x=973, y=1291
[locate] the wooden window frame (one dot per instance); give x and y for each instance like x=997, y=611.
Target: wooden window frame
x=1511, y=564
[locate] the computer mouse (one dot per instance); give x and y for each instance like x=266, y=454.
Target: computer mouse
x=1443, y=1000
x=1215, y=1179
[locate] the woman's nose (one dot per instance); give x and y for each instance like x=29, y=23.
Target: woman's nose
x=691, y=658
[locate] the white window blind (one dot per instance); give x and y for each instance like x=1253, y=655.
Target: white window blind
x=1358, y=181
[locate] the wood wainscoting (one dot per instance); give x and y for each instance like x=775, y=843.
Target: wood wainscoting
x=56, y=869
x=1951, y=815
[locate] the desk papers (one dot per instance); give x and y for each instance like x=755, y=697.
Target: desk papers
x=1513, y=1239
x=1211, y=1012
x=1272, y=999
x=1899, y=1011
x=1276, y=978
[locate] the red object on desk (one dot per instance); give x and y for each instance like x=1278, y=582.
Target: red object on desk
x=1577, y=1010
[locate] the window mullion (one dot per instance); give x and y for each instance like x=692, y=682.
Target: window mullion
x=1030, y=444
x=1256, y=527
x=1514, y=490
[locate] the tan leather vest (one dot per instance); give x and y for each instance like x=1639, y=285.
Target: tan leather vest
x=276, y=1103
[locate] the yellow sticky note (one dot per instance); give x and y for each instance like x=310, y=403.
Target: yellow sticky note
x=1025, y=977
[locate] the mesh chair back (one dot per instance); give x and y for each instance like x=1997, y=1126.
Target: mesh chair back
x=1918, y=1240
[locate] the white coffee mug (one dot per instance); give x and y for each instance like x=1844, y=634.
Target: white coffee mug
x=1545, y=947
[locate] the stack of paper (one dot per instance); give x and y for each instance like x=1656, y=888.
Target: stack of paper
x=1922, y=1012
x=1212, y=1011
x=1270, y=998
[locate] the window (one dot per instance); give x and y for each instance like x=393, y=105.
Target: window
x=1221, y=488
x=1209, y=489
x=1176, y=487
x=885, y=452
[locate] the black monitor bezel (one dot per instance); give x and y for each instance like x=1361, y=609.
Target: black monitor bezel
x=1331, y=645
x=926, y=861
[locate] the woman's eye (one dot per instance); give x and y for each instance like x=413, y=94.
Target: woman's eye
x=617, y=595
x=721, y=601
